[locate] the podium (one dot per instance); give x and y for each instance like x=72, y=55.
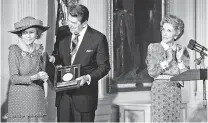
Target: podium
x=61, y=78
x=194, y=74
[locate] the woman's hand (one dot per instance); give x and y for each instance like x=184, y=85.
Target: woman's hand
x=43, y=76
x=179, y=53
x=169, y=54
x=40, y=75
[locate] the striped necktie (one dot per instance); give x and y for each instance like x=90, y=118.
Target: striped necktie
x=74, y=44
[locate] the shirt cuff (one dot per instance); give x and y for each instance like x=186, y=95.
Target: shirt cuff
x=89, y=77
x=181, y=65
x=164, y=64
x=53, y=59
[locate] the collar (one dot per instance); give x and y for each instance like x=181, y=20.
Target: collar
x=166, y=46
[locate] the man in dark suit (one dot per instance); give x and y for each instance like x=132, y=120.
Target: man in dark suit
x=79, y=105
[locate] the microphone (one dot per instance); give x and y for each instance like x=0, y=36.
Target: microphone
x=197, y=44
x=192, y=47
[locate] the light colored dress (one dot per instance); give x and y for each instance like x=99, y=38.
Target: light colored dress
x=165, y=94
x=26, y=99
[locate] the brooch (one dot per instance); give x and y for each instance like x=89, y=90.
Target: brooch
x=23, y=54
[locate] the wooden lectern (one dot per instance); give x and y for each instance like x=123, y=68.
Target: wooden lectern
x=194, y=74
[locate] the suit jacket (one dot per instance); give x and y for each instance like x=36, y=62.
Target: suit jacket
x=93, y=56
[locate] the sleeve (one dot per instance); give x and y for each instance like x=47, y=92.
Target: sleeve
x=56, y=53
x=62, y=33
x=185, y=60
x=15, y=76
x=102, y=59
x=153, y=61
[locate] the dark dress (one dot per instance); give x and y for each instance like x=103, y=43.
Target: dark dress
x=165, y=94
x=26, y=98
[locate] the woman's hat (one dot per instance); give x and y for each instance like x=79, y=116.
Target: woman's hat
x=28, y=22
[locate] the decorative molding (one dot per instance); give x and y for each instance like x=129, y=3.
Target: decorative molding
x=26, y=8
x=110, y=42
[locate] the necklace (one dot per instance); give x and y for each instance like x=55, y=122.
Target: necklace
x=27, y=48
x=30, y=48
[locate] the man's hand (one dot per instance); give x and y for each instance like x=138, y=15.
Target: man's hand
x=52, y=59
x=84, y=79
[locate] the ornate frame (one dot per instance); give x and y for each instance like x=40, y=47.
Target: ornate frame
x=165, y=11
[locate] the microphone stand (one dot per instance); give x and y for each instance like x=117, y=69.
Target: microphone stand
x=200, y=61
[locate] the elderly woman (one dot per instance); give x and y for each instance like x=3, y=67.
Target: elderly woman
x=26, y=101
x=165, y=60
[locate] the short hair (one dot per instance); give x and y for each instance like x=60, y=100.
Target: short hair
x=177, y=23
x=38, y=32
x=79, y=11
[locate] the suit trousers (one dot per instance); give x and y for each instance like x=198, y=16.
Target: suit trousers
x=66, y=112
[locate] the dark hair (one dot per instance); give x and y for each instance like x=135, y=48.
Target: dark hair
x=177, y=23
x=79, y=11
x=39, y=32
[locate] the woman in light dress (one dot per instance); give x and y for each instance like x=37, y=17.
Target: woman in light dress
x=165, y=60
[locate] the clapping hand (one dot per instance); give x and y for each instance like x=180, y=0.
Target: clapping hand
x=169, y=55
x=179, y=53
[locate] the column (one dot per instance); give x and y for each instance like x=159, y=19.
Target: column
x=6, y=40
x=98, y=20
x=201, y=36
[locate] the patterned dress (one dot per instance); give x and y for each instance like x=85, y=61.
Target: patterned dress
x=26, y=101
x=165, y=94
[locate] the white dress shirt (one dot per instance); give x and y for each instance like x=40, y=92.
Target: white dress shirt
x=80, y=38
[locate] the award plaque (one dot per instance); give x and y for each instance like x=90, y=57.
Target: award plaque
x=66, y=77
x=61, y=78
